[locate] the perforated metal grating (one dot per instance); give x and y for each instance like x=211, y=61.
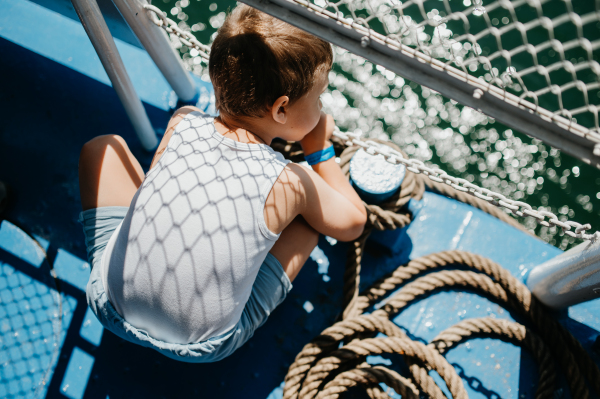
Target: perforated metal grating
x=30, y=333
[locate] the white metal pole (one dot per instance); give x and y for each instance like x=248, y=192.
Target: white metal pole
x=97, y=30
x=568, y=279
x=157, y=44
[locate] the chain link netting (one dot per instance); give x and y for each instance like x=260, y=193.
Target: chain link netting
x=171, y=27
x=511, y=45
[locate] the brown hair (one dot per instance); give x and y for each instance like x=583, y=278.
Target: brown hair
x=256, y=59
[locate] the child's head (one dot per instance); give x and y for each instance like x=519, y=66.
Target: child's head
x=257, y=59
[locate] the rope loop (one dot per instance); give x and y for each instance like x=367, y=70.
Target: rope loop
x=323, y=369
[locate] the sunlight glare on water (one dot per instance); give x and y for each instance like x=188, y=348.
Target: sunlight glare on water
x=376, y=102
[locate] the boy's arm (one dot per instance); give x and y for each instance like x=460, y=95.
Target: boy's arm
x=330, y=206
x=329, y=170
x=327, y=210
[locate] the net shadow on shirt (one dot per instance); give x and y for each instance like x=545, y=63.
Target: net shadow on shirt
x=189, y=250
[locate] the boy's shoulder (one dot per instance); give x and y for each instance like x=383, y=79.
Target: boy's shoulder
x=295, y=176
x=190, y=111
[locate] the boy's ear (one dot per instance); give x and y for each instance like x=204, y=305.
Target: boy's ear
x=279, y=109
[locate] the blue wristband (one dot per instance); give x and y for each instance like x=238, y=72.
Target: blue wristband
x=320, y=156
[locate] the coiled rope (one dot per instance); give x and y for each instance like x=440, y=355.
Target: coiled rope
x=320, y=361
x=335, y=360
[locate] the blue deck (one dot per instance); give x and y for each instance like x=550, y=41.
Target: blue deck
x=54, y=97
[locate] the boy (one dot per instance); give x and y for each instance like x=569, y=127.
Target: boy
x=192, y=258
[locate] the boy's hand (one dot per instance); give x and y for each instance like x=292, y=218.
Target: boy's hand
x=318, y=138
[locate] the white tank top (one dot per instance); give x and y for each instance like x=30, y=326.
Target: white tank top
x=182, y=263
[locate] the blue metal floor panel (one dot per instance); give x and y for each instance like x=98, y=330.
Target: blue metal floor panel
x=49, y=109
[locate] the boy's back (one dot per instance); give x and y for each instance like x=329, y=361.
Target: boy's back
x=183, y=263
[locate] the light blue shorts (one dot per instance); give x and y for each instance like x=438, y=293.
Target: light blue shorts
x=269, y=290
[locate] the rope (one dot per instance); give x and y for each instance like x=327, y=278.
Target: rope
x=329, y=340
x=369, y=376
x=505, y=330
x=362, y=348
x=391, y=214
x=319, y=363
x=550, y=331
x=352, y=274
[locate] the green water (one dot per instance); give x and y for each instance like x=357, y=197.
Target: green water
x=434, y=129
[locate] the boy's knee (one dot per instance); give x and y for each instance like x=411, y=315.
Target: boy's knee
x=103, y=141
x=96, y=147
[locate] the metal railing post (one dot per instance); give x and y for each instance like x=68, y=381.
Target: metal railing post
x=157, y=44
x=97, y=30
x=568, y=279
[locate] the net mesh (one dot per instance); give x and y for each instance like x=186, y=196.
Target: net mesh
x=511, y=45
